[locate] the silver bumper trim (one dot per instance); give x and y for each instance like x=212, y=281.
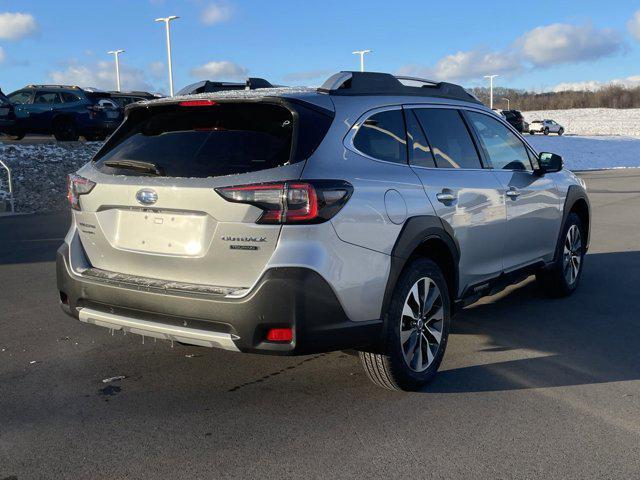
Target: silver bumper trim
x=158, y=330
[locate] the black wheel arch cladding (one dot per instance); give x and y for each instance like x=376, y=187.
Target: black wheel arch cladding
x=416, y=232
x=577, y=201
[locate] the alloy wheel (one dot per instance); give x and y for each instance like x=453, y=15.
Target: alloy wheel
x=572, y=254
x=422, y=324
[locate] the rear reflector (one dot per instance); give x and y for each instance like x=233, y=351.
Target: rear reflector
x=197, y=103
x=280, y=335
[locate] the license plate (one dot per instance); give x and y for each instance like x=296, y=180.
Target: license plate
x=113, y=114
x=162, y=233
x=4, y=111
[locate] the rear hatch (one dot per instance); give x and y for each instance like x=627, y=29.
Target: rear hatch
x=154, y=212
x=103, y=107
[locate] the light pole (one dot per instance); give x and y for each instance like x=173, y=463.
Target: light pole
x=491, y=77
x=508, y=103
x=115, y=54
x=166, y=21
x=362, y=54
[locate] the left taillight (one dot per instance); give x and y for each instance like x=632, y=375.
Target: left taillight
x=76, y=186
x=292, y=202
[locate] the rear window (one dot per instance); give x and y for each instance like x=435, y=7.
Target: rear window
x=215, y=140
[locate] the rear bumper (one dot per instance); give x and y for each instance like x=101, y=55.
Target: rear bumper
x=293, y=297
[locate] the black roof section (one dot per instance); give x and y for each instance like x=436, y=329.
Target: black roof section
x=375, y=83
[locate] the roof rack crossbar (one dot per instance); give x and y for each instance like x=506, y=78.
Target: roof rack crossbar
x=375, y=83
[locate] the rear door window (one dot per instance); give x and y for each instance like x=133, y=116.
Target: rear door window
x=419, y=150
x=382, y=136
x=449, y=138
x=214, y=140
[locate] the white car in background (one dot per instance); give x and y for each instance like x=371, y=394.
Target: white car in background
x=546, y=127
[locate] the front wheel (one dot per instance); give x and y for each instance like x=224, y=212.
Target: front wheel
x=17, y=135
x=416, y=330
x=560, y=132
x=563, y=277
x=531, y=132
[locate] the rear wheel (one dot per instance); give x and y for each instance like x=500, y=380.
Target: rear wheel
x=531, y=132
x=17, y=135
x=564, y=275
x=64, y=129
x=546, y=131
x=416, y=330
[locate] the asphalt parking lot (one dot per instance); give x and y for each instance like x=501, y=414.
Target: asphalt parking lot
x=529, y=388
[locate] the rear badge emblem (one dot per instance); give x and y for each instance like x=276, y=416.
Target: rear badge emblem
x=146, y=196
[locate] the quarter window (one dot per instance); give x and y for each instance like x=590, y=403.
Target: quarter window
x=504, y=149
x=69, y=97
x=449, y=138
x=382, y=136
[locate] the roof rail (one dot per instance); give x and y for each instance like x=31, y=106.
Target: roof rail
x=31, y=85
x=375, y=83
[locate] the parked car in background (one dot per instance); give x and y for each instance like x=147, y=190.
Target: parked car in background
x=206, y=86
x=125, y=98
x=67, y=112
x=546, y=127
x=516, y=120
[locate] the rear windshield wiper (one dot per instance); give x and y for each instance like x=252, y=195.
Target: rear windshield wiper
x=136, y=165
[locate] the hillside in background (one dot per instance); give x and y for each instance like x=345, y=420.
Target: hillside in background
x=592, y=121
x=612, y=96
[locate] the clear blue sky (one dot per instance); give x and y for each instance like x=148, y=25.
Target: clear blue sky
x=299, y=42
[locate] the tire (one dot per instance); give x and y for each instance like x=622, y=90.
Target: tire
x=531, y=132
x=560, y=132
x=562, y=279
x=17, y=136
x=546, y=131
x=391, y=369
x=64, y=130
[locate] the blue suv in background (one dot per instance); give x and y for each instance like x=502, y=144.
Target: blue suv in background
x=67, y=112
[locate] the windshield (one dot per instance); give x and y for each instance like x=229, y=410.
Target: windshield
x=213, y=140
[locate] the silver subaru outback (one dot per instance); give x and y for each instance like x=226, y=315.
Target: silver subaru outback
x=357, y=216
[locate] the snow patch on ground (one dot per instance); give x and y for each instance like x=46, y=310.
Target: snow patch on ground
x=40, y=172
x=592, y=121
x=590, y=153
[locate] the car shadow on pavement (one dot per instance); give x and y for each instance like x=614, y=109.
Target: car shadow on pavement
x=590, y=337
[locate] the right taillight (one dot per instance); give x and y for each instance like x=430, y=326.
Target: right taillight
x=76, y=186
x=292, y=202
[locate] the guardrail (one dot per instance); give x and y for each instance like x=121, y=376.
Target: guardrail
x=9, y=182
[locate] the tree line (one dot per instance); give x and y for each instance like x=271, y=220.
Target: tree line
x=612, y=96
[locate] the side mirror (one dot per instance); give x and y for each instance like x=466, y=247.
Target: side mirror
x=549, y=163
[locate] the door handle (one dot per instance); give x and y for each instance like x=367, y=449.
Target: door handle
x=446, y=196
x=512, y=193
